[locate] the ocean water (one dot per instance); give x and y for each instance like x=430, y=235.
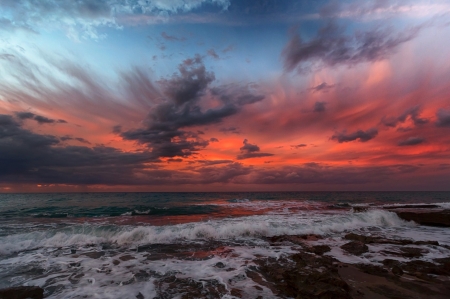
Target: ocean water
x=164, y=245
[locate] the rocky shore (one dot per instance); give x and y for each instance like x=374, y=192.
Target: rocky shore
x=311, y=274
x=403, y=268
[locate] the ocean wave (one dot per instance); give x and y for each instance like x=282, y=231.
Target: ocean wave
x=230, y=228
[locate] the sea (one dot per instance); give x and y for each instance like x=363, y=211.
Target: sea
x=165, y=245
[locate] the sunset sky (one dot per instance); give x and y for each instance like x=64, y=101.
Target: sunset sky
x=224, y=95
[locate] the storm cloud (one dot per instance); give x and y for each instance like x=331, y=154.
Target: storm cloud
x=443, y=118
x=363, y=136
x=39, y=118
x=413, y=113
x=26, y=156
x=320, y=106
x=411, y=141
x=249, y=150
x=164, y=130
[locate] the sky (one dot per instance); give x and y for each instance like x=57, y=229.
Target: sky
x=224, y=95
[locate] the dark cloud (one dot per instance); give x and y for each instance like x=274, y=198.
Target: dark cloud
x=79, y=139
x=333, y=46
x=213, y=139
x=299, y=146
x=413, y=113
x=25, y=115
x=213, y=54
x=175, y=160
x=228, y=49
x=315, y=173
x=323, y=87
x=39, y=118
x=238, y=94
x=363, y=136
x=443, y=118
x=28, y=157
x=224, y=174
x=411, y=141
x=320, y=106
x=168, y=37
x=164, y=130
x=232, y=130
x=214, y=162
x=249, y=150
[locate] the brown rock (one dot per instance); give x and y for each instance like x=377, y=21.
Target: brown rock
x=360, y=209
x=22, y=293
x=427, y=217
x=424, y=206
x=396, y=270
x=355, y=247
x=319, y=249
x=311, y=276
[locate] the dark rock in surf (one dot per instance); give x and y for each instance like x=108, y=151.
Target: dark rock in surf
x=310, y=276
x=355, y=247
x=359, y=209
x=296, y=239
x=319, y=249
x=22, y=293
x=427, y=217
x=424, y=206
x=396, y=270
x=219, y=265
x=379, y=240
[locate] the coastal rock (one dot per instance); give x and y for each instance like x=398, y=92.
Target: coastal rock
x=33, y=292
x=359, y=209
x=295, y=239
x=426, y=217
x=355, y=247
x=319, y=249
x=418, y=206
x=309, y=276
x=379, y=240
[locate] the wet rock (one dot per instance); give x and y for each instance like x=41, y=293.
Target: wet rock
x=319, y=249
x=310, y=276
x=296, y=239
x=74, y=265
x=427, y=217
x=372, y=269
x=127, y=257
x=379, y=240
x=355, y=247
x=171, y=286
x=424, y=206
x=396, y=270
x=422, y=269
x=412, y=252
x=75, y=278
x=94, y=254
x=140, y=296
x=236, y=293
x=359, y=209
x=219, y=265
x=115, y=262
x=22, y=293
